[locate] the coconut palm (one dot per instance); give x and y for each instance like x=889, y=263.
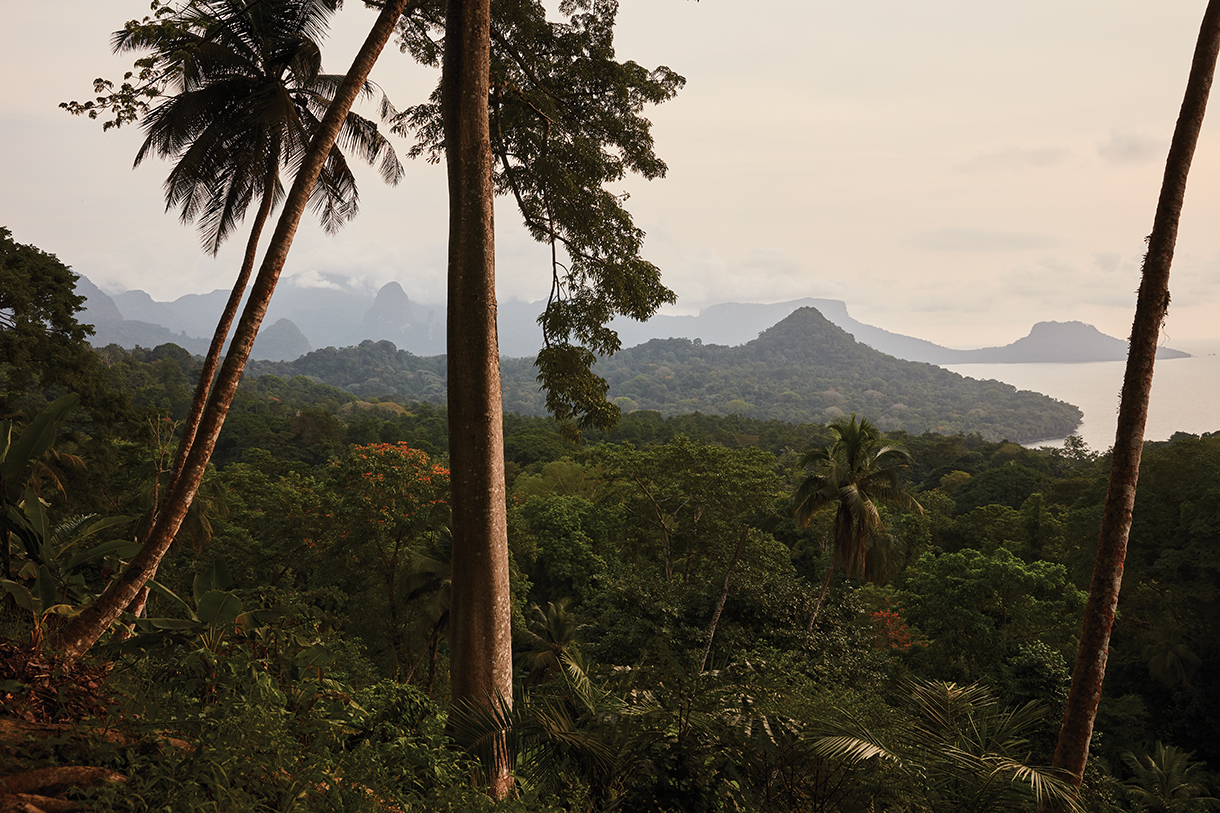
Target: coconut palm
x=854, y=475
x=82, y=631
x=547, y=641
x=243, y=94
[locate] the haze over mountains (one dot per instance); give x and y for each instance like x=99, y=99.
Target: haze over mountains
x=302, y=319
x=802, y=370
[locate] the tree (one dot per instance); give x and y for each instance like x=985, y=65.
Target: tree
x=853, y=475
x=40, y=339
x=565, y=121
x=247, y=94
x=42, y=345
x=81, y=632
x=480, y=627
x=1088, y=674
x=393, y=502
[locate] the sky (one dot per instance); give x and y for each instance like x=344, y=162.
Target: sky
x=951, y=169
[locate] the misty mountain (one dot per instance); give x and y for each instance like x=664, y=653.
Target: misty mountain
x=803, y=370
x=340, y=317
x=110, y=326
x=280, y=341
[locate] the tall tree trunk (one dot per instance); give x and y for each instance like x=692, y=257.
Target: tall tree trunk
x=480, y=642
x=1071, y=751
x=81, y=632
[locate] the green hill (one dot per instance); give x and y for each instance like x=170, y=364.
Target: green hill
x=802, y=370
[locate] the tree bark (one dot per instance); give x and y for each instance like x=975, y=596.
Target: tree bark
x=212, y=360
x=1071, y=751
x=82, y=631
x=480, y=636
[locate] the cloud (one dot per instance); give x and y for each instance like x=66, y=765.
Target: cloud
x=1130, y=148
x=1018, y=158
x=979, y=240
x=312, y=278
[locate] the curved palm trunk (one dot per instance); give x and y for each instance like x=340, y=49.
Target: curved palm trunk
x=480, y=616
x=81, y=632
x=212, y=360
x=1072, y=749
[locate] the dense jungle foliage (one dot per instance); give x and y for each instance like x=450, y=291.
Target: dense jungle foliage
x=803, y=370
x=293, y=655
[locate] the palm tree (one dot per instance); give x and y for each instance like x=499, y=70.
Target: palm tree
x=547, y=641
x=1152, y=302
x=854, y=475
x=956, y=751
x=81, y=632
x=247, y=95
x=1167, y=781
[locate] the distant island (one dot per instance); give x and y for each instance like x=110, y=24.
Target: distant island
x=302, y=319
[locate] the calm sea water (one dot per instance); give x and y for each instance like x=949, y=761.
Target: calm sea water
x=1185, y=392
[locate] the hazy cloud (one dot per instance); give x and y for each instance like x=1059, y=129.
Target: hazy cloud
x=312, y=278
x=979, y=240
x=1130, y=148
x=1016, y=158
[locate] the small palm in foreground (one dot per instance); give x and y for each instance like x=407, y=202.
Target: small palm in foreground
x=957, y=751
x=854, y=475
x=1167, y=781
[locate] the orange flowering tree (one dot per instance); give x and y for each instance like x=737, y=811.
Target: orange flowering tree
x=392, y=512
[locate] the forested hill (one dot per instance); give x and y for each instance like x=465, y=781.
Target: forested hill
x=802, y=370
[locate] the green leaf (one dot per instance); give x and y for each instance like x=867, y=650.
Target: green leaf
x=253, y=619
x=21, y=594
x=174, y=598
x=44, y=587
x=219, y=608
x=171, y=623
x=36, y=520
x=36, y=438
x=6, y=440
x=214, y=577
x=123, y=548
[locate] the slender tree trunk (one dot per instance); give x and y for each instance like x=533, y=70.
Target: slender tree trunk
x=212, y=360
x=1072, y=749
x=82, y=631
x=817, y=605
x=480, y=642
x=724, y=597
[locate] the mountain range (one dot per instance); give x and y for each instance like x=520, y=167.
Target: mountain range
x=301, y=319
x=802, y=370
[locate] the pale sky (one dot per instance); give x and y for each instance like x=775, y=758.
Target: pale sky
x=954, y=170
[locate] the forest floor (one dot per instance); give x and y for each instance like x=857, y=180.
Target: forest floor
x=52, y=716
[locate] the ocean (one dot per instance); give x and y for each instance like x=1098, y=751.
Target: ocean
x=1185, y=392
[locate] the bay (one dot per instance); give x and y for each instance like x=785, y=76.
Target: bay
x=1185, y=392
